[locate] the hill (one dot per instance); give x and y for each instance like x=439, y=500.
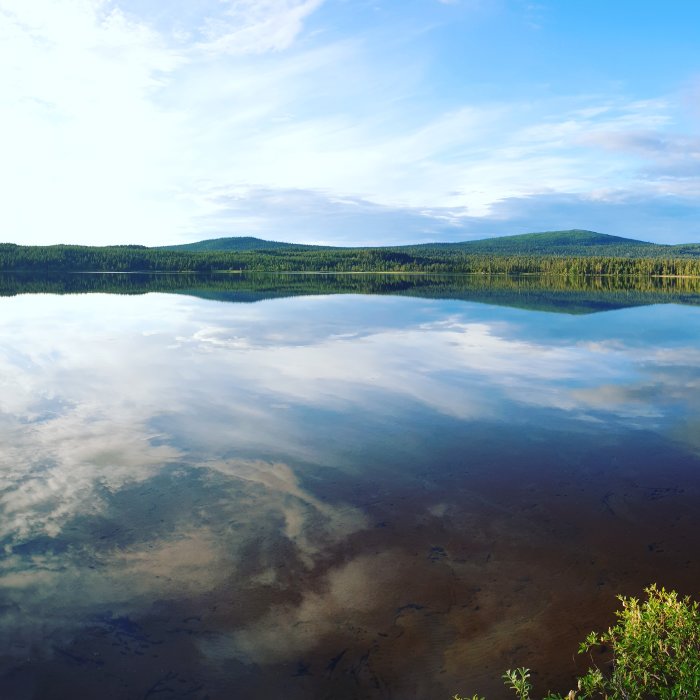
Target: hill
x=574, y=242
x=568, y=243
x=234, y=244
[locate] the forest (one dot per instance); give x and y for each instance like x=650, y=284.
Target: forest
x=434, y=258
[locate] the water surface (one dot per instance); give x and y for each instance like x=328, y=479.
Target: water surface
x=355, y=495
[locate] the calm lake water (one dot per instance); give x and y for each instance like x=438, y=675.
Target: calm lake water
x=218, y=494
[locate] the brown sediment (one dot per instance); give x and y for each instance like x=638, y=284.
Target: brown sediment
x=413, y=581
x=441, y=594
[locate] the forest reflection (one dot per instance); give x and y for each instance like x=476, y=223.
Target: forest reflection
x=558, y=293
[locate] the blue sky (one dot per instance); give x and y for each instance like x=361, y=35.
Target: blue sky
x=347, y=121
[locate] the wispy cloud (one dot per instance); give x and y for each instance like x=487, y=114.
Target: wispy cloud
x=311, y=216
x=133, y=123
x=256, y=26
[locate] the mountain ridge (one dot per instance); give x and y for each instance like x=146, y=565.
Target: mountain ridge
x=566, y=242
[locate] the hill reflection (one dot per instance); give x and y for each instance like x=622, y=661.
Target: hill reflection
x=559, y=294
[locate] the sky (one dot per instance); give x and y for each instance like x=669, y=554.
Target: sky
x=350, y=122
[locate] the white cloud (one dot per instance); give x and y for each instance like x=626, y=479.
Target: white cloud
x=256, y=26
x=129, y=123
x=456, y=167
x=84, y=144
x=311, y=216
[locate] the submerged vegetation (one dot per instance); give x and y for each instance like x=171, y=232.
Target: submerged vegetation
x=653, y=653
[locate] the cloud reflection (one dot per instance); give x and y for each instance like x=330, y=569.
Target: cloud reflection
x=90, y=406
x=160, y=447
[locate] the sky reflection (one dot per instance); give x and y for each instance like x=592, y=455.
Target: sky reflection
x=167, y=451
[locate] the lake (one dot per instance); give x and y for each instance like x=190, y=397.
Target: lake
x=320, y=487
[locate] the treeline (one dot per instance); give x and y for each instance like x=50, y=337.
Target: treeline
x=139, y=259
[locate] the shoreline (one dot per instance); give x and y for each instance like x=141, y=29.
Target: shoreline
x=416, y=273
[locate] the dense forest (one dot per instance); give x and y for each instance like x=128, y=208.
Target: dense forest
x=568, y=253
x=135, y=259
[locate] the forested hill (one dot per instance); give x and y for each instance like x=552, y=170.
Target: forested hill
x=562, y=243
x=560, y=253
x=237, y=243
x=575, y=242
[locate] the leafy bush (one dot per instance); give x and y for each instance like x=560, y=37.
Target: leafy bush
x=655, y=654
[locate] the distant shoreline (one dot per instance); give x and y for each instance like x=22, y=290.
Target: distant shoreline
x=336, y=273
x=446, y=273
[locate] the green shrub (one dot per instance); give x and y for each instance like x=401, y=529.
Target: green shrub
x=655, y=654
